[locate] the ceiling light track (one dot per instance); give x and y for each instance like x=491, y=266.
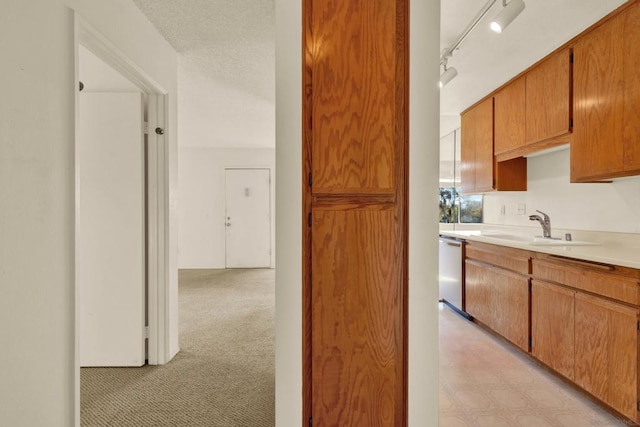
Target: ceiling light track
x=446, y=53
x=510, y=11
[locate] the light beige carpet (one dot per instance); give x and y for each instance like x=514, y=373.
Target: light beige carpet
x=224, y=373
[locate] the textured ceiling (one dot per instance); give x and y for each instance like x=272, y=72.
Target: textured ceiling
x=232, y=41
x=227, y=58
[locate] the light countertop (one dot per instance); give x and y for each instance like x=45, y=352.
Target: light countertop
x=622, y=249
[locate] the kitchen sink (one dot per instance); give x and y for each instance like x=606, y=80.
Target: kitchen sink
x=540, y=241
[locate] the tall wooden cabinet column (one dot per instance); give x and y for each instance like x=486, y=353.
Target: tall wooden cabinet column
x=355, y=202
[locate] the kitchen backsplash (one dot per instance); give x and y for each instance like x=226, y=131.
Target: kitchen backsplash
x=611, y=207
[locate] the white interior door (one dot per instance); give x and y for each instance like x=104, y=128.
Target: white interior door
x=110, y=225
x=248, y=218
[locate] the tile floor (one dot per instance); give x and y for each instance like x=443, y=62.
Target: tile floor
x=486, y=382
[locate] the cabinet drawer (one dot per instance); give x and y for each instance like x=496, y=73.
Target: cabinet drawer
x=501, y=256
x=619, y=283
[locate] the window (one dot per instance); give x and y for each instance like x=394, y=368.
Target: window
x=455, y=208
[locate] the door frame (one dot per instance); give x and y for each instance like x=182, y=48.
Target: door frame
x=157, y=192
x=267, y=168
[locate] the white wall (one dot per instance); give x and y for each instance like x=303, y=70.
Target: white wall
x=37, y=292
x=597, y=207
x=423, y=226
x=202, y=201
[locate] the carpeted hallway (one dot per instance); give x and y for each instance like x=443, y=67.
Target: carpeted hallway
x=224, y=373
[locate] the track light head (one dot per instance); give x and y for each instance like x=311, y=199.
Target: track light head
x=448, y=75
x=507, y=15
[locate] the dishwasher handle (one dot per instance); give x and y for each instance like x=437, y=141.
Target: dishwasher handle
x=451, y=243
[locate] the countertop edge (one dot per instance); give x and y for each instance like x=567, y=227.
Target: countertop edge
x=588, y=253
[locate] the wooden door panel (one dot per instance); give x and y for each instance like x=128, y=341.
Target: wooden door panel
x=484, y=146
x=510, y=117
x=468, y=152
x=354, y=96
x=606, y=345
x=548, y=98
x=357, y=314
x=510, y=306
x=478, y=295
x=632, y=89
x=552, y=326
x=596, y=147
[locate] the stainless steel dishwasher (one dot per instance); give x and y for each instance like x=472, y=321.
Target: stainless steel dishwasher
x=451, y=273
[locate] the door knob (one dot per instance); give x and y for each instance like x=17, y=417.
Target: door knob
x=228, y=224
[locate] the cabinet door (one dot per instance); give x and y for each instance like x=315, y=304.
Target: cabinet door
x=598, y=91
x=510, y=306
x=548, y=98
x=509, y=111
x=478, y=292
x=632, y=89
x=606, y=352
x=468, y=151
x=355, y=119
x=484, y=146
x=552, y=326
x=476, y=152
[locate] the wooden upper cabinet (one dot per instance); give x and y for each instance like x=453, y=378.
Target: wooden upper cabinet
x=510, y=117
x=468, y=152
x=607, y=99
x=354, y=96
x=476, y=153
x=548, y=95
x=631, y=135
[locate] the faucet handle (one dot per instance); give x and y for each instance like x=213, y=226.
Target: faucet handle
x=546, y=217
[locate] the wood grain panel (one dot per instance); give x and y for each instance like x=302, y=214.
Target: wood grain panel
x=597, y=147
x=552, y=326
x=500, y=300
x=478, y=294
x=510, y=306
x=622, y=284
x=354, y=96
x=357, y=319
x=631, y=136
x=606, y=345
x=484, y=146
x=548, y=95
x=468, y=152
x=512, y=259
x=509, y=120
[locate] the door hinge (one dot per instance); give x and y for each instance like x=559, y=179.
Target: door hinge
x=571, y=123
x=530, y=342
x=638, y=406
x=310, y=179
x=639, y=325
x=309, y=219
x=145, y=128
x=571, y=58
x=146, y=332
x=311, y=419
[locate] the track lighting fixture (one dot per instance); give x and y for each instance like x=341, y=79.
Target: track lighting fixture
x=447, y=76
x=509, y=12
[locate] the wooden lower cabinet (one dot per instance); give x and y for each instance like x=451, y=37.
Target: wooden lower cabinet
x=578, y=317
x=606, y=352
x=552, y=326
x=499, y=299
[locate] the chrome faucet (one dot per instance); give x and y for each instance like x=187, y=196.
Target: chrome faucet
x=544, y=222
